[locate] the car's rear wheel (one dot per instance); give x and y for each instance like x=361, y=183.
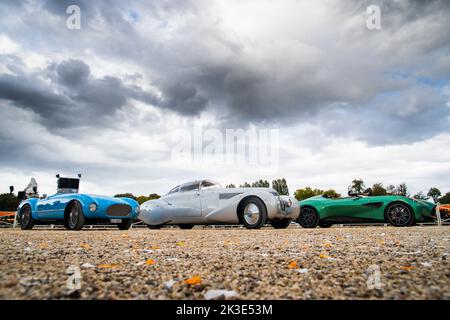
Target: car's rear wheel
x=252, y=213
x=125, y=224
x=75, y=217
x=280, y=223
x=26, y=218
x=186, y=226
x=325, y=224
x=399, y=215
x=308, y=218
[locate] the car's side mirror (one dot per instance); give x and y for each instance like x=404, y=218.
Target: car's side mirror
x=44, y=196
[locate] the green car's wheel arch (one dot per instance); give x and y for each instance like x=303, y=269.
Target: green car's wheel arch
x=309, y=217
x=399, y=214
x=25, y=218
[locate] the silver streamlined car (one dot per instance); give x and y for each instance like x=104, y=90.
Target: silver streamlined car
x=207, y=203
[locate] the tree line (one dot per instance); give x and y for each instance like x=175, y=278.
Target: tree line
x=10, y=202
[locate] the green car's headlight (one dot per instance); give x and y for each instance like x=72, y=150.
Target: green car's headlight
x=92, y=207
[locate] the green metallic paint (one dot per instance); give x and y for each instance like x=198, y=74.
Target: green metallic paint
x=364, y=208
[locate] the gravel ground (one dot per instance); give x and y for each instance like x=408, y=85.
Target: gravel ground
x=295, y=263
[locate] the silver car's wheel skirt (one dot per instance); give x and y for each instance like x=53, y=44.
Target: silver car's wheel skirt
x=251, y=214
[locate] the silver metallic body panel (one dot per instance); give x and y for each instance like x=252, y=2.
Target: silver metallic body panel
x=213, y=206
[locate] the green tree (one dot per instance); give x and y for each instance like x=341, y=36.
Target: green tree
x=420, y=196
x=434, y=193
x=261, y=184
x=305, y=193
x=378, y=190
x=445, y=199
x=8, y=202
x=280, y=185
x=358, y=186
x=142, y=199
x=390, y=189
x=331, y=193
x=245, y=185
x=125, y=195
x=402, y=190
x=230, y=186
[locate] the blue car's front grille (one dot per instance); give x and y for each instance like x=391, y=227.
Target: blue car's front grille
x=118, y=210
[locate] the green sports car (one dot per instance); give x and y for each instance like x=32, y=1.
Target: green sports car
x=399, y=211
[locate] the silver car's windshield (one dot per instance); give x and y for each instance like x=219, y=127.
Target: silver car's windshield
x=190, y=186
x=174, y=190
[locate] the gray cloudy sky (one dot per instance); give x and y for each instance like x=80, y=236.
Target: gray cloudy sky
x=105, y=100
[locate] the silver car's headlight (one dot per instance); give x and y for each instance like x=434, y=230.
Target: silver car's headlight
x=92, y=207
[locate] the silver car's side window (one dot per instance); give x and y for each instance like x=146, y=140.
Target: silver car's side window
x=190, y=187
x=207, y=185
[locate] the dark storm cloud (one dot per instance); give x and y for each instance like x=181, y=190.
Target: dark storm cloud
x=74, y=98
x=196, y=66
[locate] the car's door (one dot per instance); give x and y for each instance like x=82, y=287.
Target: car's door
x=347, y=207
x=209, y=197
x=186, y=202
x=51, y=207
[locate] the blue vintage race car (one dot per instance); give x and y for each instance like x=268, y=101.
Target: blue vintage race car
x=75, y=210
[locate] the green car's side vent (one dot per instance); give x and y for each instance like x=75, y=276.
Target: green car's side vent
x=373, y=204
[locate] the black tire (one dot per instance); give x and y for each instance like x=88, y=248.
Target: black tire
x=186, y=226
x=325, y=224
x=246, y=217
x=280, y=223
x=125, y=224
x=399, y=214
x=26, y=218
x=75, y=217
x=308, y=218
x=154, y=227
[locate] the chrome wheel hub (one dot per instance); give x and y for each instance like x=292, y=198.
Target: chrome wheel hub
x=251, y=214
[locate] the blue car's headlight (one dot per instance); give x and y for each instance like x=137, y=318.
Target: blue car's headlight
x=138, y=209
x=92, y=207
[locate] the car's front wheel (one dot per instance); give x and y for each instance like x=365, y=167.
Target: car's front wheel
x=308, y=218
x=252, y=213
x=75, y=217
x=280, y=223
x=399, y=215
x=125, y=224
x=26, y=218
